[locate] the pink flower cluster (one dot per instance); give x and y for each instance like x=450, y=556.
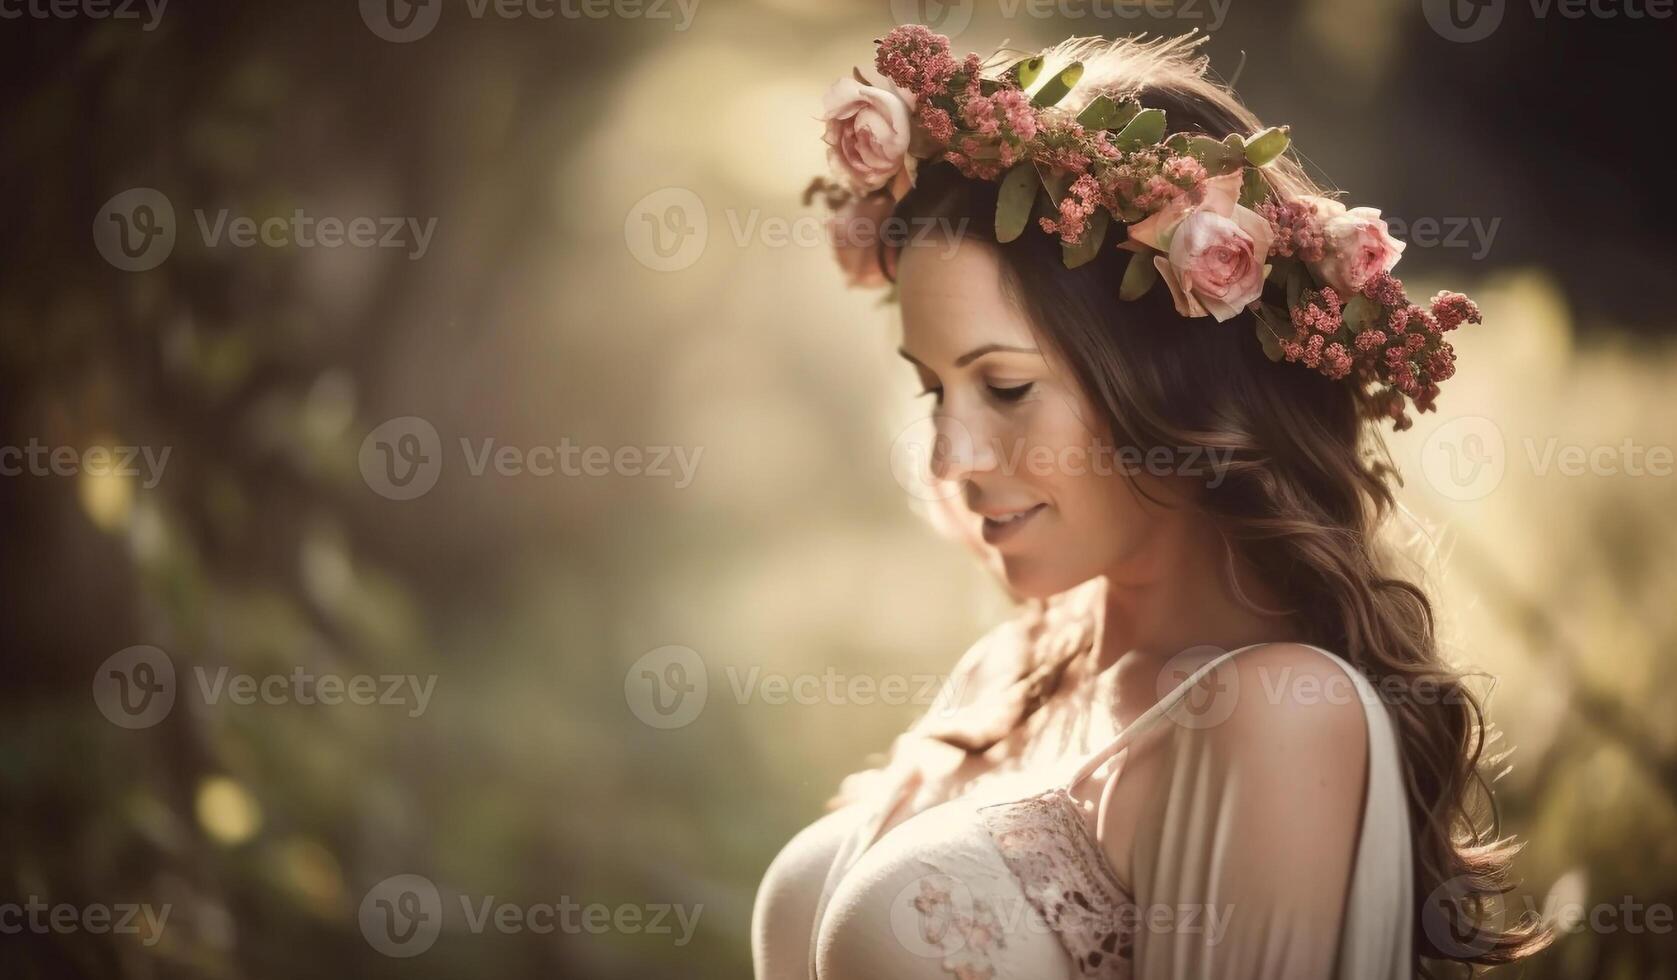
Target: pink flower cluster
x=1400, y=344
x=997, y=128
x=1297, y=232
x=1080, y=202
x=984, y=128
x=1149, y=186
x=918, y=59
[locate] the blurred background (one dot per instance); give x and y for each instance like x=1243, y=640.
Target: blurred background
x=476, y=366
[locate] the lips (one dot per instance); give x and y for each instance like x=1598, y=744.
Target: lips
x=1003, y=526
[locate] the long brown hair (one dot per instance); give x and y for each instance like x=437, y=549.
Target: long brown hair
x=1306, y=493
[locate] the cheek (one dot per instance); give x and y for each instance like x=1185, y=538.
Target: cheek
x=1086, y=481
x=1100, y=511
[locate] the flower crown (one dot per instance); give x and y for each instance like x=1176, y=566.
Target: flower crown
x=1199, y=213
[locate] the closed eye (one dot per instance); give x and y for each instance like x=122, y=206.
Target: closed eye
x=1011, y=394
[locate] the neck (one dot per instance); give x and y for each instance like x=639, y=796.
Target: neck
x=1180, y=599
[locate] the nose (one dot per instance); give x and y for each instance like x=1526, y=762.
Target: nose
x=959, y=449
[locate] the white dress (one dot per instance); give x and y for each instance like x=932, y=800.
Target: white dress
x=1242, y=865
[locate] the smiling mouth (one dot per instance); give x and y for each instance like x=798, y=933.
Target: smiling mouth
x=999, y=529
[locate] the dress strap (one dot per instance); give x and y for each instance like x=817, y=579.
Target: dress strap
x=1148, y=717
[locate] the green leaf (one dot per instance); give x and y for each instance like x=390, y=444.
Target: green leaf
x=1358, y=313
x=1139, y=275
x=1146, y=128
x=1298, y=280
x=1058, y=184
x=1026, y=71
x=1043, y=206
x=1104, y=113
x=1280, y=271
x=1055, y=88
x=1090, y=245
x=1013, y=201
x=1271, y=324
x=1218, y=157
x=1254, y=189
x=1265, y=147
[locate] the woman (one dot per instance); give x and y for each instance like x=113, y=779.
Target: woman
x=1220, y=741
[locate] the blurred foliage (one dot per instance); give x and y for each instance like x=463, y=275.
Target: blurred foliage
x=528, y=778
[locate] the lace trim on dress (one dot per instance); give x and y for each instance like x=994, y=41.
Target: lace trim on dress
x=1067, y=879
x=966, y=932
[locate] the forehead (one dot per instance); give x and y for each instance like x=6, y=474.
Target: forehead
x=953, y=300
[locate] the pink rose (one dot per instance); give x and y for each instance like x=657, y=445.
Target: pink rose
x=868, y=131
x=1358, y=245
x=1214, y=251
x=856, y=228
x=1221, y=195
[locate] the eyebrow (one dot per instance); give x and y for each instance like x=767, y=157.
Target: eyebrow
x=975, y=353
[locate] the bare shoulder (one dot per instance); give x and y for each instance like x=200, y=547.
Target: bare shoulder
x=1271, y=746
x=1291, y=699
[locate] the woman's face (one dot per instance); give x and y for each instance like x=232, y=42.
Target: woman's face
x=1014, y=430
